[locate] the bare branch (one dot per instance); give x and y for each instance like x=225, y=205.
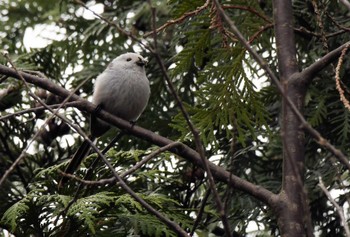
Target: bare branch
x=200, y=212
x=336, y=205
x=249, y=9
x=259, y=32
x=344, y=28
x=320, y=25
x=101, y=182
x=345, y=3
x=178, y=20
x=115, y=25
x=38, y=109
x=309, y=73
x=167, y=147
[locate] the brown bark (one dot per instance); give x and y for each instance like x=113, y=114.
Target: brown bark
x=292, y=207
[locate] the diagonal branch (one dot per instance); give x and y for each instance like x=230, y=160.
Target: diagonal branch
x=345, y=3
x=184, y=151
x=38, y=109
x=115, y=25
x=339, y=209
x=178, y=20
x=308, y=74
x=249, y=9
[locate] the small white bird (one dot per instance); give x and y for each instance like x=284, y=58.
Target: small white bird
x=122, y=90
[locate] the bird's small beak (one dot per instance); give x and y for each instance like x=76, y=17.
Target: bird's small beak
x=142, y=62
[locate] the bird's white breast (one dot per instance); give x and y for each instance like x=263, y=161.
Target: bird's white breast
x=124, y=94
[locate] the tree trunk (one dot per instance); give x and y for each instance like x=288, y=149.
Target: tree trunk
x=291, y=209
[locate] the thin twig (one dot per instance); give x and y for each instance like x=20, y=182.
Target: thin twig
x=113, y=180
x=100, y=182
x=39, y=109
x=339, y=32
x=249, y=9
x=336, y=205
x=320, y=25
x=345, y=29
x=3, y=78
x=200, y=212
x=116, y=26
x=303, y=30
x=343, y=99
x=178, y=20
x=151, y=156
x=256, y=34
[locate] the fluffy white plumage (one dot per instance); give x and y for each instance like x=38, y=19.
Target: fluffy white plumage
x=122, y=89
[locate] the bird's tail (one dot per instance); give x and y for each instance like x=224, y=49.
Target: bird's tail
x=77, y=158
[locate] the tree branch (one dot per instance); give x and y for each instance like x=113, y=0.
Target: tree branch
x=184, y=151
x=178, y=20
x=38, y=109
x=115, y=25
x=336, y=205
x=309, y=73
x=345, y=3
x=249, y=9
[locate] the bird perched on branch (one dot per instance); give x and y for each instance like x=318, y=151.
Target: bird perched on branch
x=122, y=90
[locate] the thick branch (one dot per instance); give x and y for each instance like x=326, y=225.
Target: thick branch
x=346, y=4
x=184, y=151
x=309, y=73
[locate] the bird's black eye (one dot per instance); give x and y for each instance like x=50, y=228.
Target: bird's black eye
x=128, y=59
